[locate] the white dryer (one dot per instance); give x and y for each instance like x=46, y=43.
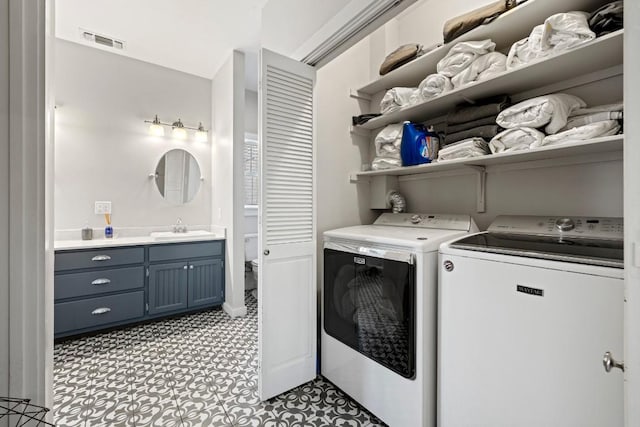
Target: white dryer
x=379, y=313
x=528, y=313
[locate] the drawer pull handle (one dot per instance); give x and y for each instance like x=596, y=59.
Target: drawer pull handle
x=101, y=258
x=101, y=310
x=103, y=281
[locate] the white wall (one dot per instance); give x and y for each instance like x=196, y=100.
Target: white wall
x=228, y=118
x=339, y=202
x=103, y=148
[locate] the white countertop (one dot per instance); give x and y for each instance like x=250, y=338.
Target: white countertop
x=129, y=241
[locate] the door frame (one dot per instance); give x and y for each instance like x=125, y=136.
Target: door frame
x=631, y=215
x=26, y=195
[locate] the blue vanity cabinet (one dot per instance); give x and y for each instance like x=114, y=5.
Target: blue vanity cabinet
x=103, y=288
x=98, y=288
x=193, y=279
x=206, y=282
x=168, y=287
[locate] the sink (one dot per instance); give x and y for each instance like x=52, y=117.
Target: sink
x=189, y=235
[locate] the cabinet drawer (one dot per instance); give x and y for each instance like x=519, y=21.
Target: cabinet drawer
x=96, y=282
x=98, y=258
x=175, y=251
x=95, y=312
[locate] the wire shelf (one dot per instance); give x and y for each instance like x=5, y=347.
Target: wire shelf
x=22, y=413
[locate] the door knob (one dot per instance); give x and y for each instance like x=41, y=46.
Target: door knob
x=266, y=252
x=609, y=362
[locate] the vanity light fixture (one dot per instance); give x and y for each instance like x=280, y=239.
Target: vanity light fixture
x=178, y=129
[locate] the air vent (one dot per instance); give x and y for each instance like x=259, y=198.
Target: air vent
x=101, y=39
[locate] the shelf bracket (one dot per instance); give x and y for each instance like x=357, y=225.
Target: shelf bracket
x=359, y=95
x=481, y=187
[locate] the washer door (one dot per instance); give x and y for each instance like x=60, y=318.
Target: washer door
x=369, y=305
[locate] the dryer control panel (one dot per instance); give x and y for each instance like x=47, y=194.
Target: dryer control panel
x=441, y=221
x=577, y=226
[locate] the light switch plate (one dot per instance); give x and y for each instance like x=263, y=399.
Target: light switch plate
x=102, y=208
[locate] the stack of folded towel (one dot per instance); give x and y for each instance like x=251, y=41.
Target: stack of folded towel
x=472, y=147
x=475, y=120
x=387, y=144
x=553, y=119
x=588, y=123
x=396, y=98
x=559, y=32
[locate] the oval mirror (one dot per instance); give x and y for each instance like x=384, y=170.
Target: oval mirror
x=178, y=176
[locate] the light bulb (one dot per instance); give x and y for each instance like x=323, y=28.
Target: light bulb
x=156, y=128
x=178, y=131
x=201, y=134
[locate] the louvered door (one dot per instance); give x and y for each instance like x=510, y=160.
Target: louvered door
x=287, y=260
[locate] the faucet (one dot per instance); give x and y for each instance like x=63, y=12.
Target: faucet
x=179, y=227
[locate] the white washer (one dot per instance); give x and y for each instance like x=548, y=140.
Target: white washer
x=527, y=311
x=379, y=313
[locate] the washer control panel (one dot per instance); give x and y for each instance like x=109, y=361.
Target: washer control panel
x=442, y=221
x=577, y=226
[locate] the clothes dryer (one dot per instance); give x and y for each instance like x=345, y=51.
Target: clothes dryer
x=379, y=312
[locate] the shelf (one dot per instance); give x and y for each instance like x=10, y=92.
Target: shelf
x=510, y=27
x=568, y=150
x=600, y=54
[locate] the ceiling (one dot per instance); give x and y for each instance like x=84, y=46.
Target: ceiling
x=196, y=36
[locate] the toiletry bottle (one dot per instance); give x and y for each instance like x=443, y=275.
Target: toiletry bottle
x=108, y=230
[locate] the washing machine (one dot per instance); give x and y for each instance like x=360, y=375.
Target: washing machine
x=379, y=313
x=530, y=324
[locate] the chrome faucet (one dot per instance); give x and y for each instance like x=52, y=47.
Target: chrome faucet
x=179, y=227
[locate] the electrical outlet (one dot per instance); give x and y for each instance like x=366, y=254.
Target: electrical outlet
x=102, y=208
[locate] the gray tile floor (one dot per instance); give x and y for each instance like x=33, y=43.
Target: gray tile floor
x=195, y=370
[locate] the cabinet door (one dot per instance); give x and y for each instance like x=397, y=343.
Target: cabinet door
x=206, y=285
x=168, y=287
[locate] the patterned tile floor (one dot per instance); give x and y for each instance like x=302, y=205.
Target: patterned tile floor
x=194, y=370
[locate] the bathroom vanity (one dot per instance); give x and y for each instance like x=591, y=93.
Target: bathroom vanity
x=102, y=284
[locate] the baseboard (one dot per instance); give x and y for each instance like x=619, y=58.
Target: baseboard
x=235, y=311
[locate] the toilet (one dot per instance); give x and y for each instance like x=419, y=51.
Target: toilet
x=251, y=260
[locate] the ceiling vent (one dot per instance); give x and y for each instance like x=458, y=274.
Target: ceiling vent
x=101, y=39
x=355, y=21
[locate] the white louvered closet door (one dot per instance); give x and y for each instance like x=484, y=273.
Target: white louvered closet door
x=287, y=259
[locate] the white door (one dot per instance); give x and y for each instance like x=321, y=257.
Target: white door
x=287, y=244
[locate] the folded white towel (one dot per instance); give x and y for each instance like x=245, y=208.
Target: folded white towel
x=550, y=110
x=618, y=106
x=559, y=32
x=582, y=133
x=484, y=67
x=434, y=85
x=462, y=55
x=396, y=98
x=472, y=147
x=388, y=141
x=380, y=163
x=515, y=139
x=585, y=119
